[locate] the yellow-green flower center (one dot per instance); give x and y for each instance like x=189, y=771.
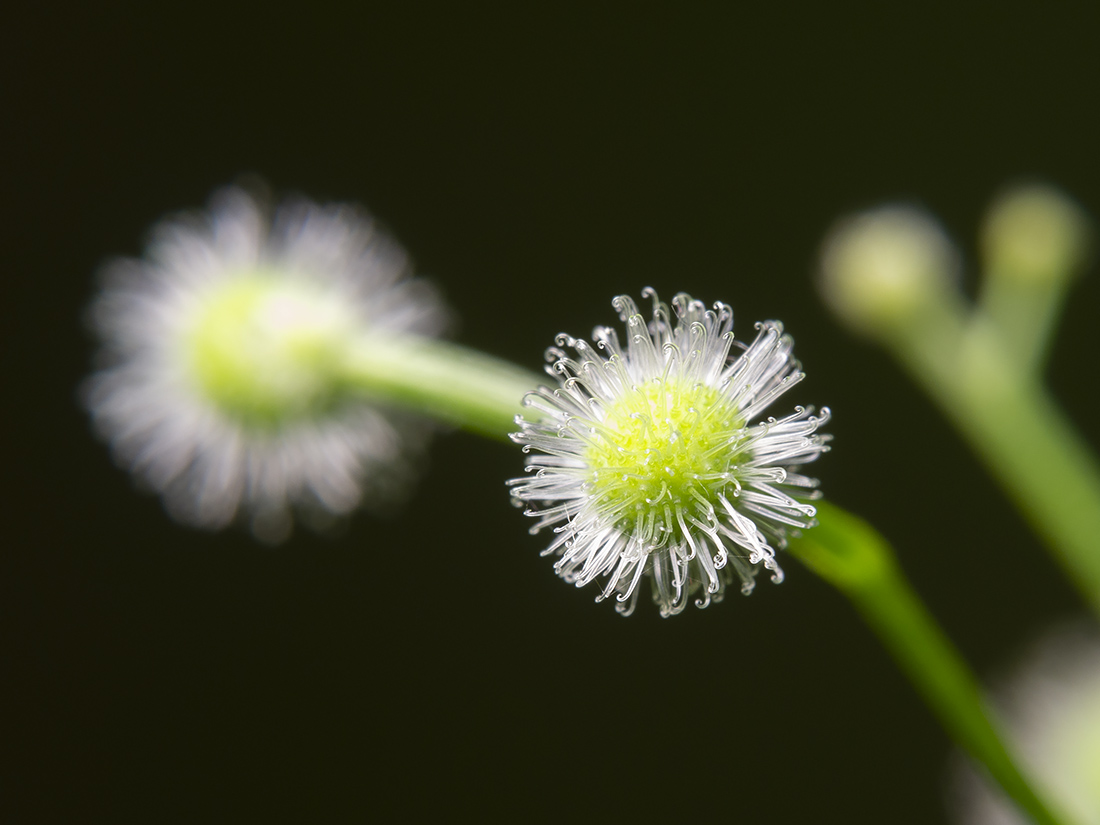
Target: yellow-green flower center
x=664, y=449
x=267, y=349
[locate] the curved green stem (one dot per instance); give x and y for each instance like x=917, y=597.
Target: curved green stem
x=1025, y=315
x=852, y=556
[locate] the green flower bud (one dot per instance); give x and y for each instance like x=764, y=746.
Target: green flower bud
x=1035, y=234
x=881, y=268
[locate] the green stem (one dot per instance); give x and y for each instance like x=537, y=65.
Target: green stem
x=455, y=384
x=1025, y=314
x=849, y=554
x=478, y=392
x=1018, y=431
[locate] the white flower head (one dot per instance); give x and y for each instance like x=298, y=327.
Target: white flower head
x=220, y=385
x=649, y=460
x=1051, y=708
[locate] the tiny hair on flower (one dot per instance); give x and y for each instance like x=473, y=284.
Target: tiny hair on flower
x=223, y=351
x=648, y=460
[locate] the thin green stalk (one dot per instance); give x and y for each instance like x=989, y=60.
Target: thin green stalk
x=1026, y=314
x=1018, y=431
x=852, y=556
x=455, y=384
x=478, y=392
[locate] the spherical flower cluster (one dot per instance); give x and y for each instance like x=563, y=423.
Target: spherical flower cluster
x=221, y=359
x=1051, y=708
x=648, y=460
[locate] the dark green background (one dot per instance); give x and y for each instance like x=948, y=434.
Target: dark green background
x=536, y=162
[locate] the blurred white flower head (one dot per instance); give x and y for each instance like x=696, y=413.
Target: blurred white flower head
x=648, y=460
x=1052, y=710
x=221, y=354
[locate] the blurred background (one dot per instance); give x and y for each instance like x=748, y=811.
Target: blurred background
x=535, y=163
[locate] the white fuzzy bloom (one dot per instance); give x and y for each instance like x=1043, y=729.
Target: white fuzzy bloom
x=1052, y=712
x=213, y=389
x=648, y=460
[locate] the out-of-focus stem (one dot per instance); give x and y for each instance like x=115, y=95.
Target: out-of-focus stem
x=852, y=556
x=1026, y=314
x=1022, y=436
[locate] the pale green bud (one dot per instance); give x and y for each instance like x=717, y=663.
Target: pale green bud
x=1035, y=235
x=880, y=268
